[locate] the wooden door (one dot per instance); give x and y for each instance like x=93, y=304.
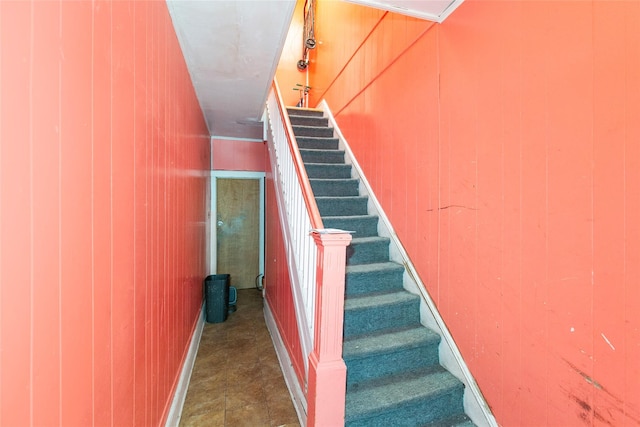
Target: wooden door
x=238, y=230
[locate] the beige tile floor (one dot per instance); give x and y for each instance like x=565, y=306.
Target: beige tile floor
x=236, y=380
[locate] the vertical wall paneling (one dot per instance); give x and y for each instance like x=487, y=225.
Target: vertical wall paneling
x=615, y=239
x=238, y=155
x=500, y=145
x=15, y=214
x=78, y=236
x=122, y=216
x=141, y=212
x=277, y=283
x=104, y=158
x=102, y=206
x=46, y=345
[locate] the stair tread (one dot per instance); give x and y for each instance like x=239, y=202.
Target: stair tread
x=322, y=156
x=368, y=300
x=460, y=420
x=331, y=180
x=312, y=127
x=349, y=216
x=340, y=197
x=370, y=239
x=388, y=342
x=305, y=116
x=307, y=130
x=373, y=267
x=303, y=110
x=319, y=138
x=327, y=170
x=327, y=164
x=321, y=150
x=379, y=395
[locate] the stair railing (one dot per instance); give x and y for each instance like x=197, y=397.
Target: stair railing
x=316, y=260
x=298, y=214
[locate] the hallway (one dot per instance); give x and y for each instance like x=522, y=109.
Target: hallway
x=236, y=380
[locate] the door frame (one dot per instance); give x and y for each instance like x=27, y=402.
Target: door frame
x=260, y=176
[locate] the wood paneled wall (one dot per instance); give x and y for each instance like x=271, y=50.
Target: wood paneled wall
x=104, y=155
x=238, y=155
x=503, y=145
x=277, y=283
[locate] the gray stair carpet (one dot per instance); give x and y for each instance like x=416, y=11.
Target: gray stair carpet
x=394, y=377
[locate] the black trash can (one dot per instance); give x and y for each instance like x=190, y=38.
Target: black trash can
x=217, y=297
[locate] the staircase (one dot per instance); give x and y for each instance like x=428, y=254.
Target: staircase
x=394, y=377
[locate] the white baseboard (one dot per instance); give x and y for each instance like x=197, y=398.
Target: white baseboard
x=290, y=377
x=175, y=412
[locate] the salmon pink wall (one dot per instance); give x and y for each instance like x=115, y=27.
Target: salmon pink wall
x=287, y=72
x=278, y=287
x=503, y=145
x=238, y=155
x=103, y=150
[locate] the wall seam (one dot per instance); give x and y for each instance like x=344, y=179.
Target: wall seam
x=135, y=224
x=348, y=61
x=31, y=217
x=1, y=406
x=384, y=70
x=592, y=206
x=59, y=217
x=93, y=270
x=439, y=163
x=111, y=234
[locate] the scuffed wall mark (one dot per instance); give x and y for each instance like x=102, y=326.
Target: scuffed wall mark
x=593, y=382
x=451, y=206
x=586, y=411
x=607, y=341
x=615, y=404
x=586, y=377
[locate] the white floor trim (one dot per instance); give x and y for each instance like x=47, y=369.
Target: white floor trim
x=175, y=412
x=290, y=377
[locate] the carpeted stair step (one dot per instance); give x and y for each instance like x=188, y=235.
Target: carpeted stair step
x=309, y=121
x=327, y=170
x=373, y=278
x=370, y=313
x=361, y=225
x=317, y=143
x=312, y=131
x=297, y=111
x=343, y=206
x=389, y=353
x=460, y=420
x=322, y=156
x=334, y=187
x=413, y=399
x=365, y=250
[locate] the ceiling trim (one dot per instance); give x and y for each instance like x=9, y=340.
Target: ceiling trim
x=234, y=138
x=419, y=8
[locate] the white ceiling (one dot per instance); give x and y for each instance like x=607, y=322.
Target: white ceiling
x=232, y=49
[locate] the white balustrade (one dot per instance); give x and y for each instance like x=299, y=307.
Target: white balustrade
x=295, y=201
